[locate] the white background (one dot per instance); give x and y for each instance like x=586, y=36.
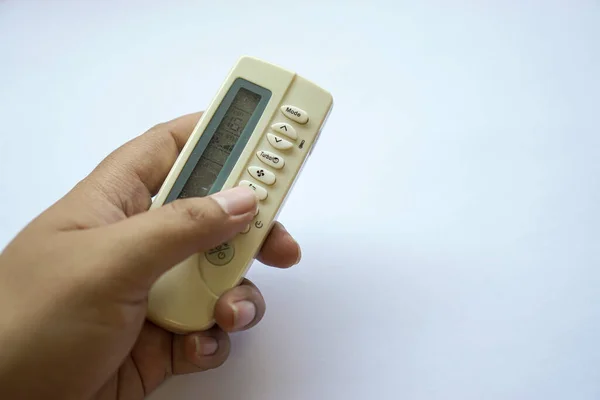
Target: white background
x=449, y=217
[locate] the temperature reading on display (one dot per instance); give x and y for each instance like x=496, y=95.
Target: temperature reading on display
x=221, y=144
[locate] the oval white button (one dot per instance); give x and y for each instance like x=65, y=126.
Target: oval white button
x=278, y=142
x=271, y=159
x=285, y=129
x=295, y=114
x=262, y=175
x=261, y=192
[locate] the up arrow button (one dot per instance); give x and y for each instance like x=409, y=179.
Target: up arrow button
x=295, y=114
x=285, y=129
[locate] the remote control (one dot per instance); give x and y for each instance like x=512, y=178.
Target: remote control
x=258, y=132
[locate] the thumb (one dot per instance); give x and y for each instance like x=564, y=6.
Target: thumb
x=148, y=244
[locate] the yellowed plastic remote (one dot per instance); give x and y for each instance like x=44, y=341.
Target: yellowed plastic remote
x=258, y=131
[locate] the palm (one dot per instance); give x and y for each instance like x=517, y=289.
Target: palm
x=144, y=368
x=150, y=360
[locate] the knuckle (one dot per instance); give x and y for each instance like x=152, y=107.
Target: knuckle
x=161, y=126
x=195, y=213
x=194, y=210
x=189, y=210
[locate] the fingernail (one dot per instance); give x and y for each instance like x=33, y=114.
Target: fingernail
x=237, y=201
x=205, y=345
x=244, y=313
x=299, y=255
x=295, y=243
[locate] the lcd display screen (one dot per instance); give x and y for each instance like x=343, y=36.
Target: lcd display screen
x=219, y=148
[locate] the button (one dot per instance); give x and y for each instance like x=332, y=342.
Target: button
x=295, y=114
x=278, y=142
x=271, y=159
x=285, y=129
x=262, y=175
x=220, y=255
x=246, y=229
x=261, y=192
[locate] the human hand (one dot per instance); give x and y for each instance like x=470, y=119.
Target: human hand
x=74, y=282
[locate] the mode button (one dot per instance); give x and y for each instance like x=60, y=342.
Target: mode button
x=295, y=114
